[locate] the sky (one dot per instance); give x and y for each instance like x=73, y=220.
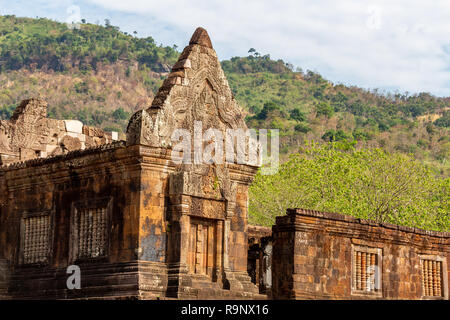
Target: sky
x=395, y=46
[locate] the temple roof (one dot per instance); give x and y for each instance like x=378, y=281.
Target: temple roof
x=196, y=90
x=201, y=37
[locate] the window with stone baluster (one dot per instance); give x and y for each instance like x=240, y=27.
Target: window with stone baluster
x=35, y=238
x=90, y=229
x=433, y=275
x=366, y=271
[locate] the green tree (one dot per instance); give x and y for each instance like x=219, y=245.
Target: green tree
x=302, y=128
x=120, y=114
x=268, y=108
x=323, y=108
x=333, y=135
x=297, y=114
x=443, y=121
x=368, y=183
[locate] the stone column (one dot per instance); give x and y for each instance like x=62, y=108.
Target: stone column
x=226, y=234
x=219, y=250
x=178, y=245
x=229, y=208
x=184, y=242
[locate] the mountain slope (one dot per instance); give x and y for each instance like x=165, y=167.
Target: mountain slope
x=100, y=76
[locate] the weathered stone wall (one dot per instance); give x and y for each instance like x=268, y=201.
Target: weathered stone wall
x=259, y=261
x=314, y=257
x=55, y=185
x=144, y=243
x=207, y=204
x=138, y=223
x=29, y=134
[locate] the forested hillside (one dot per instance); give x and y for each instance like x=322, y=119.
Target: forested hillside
x=100, y=75
x=305, y=106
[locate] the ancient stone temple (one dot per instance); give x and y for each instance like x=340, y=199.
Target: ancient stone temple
x=154, y=218
x=137, y=223
x=322, y=255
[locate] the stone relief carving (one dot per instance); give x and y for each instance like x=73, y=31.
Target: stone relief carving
x=195, y=90
x=30, y=134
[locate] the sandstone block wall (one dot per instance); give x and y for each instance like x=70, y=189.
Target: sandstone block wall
x=148, y=240
x=57, y=186
x=315, y=256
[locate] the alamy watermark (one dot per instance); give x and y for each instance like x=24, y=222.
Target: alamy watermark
x=373, y=281
x=74, y=280
x=237, y=146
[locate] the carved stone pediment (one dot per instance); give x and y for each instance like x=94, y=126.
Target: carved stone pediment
x=25, y=128
x=203, y=181
x=195, y=90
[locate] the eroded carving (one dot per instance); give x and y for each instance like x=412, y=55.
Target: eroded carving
x=29, y=134
x=195, y=90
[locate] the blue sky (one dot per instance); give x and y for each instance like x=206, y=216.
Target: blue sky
x=391, y=45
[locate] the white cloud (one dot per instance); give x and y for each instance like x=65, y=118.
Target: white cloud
x=401, y=44
x=383, y=44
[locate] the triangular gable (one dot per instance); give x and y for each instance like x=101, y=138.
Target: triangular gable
x=195, y=90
